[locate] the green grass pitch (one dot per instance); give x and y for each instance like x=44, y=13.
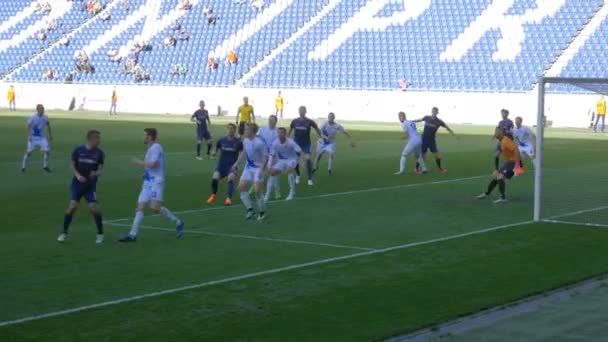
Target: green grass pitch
x=360, y=256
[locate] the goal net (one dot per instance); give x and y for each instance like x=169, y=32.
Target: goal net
x=571, y=175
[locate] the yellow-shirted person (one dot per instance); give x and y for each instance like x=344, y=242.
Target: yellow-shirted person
x=114, y=101
x=244, y=115
x=10, y=97
x=278, y=105
x=600, y=113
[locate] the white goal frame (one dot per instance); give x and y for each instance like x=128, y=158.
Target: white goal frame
x=540, y=130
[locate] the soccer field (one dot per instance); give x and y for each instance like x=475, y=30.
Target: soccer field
x=362, y=255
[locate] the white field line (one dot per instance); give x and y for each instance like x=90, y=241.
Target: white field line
x=254, y=275
x=333, y=194
x=249, y=237
x=596, y=225
x=578, y=212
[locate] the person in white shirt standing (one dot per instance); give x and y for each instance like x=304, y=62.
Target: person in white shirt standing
x=328, y=144
x=153, y=186
x=413, y=146
x=284, y=155
x=525, y=139
x=36, y=126
x=269, y=135
x=255, y=152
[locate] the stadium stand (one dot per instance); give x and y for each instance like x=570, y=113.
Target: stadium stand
x=356, y=44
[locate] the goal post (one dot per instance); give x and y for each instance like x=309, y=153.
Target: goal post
x=576, y=181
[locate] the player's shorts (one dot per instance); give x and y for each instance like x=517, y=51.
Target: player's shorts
x=305, y=147
x=527, y=150
x=323, y=147
x=252, y=175
x=412, y=147
x=225, y=170
x=284, y=164
x=43, y=143
x=203, y=134
x=87, y=190
x=242, y=128
x=429, y=144
x=151, y=191
x=507, y=170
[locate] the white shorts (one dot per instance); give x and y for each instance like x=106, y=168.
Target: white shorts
x=43, y=143
x=284, y=164
x=151, y=191
x=322, y=147
x=527, y=150
x=252, y=175
x=413, y=147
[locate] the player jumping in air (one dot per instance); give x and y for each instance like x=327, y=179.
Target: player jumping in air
x=268, y=135
x=507, y=125
x=510, y=167
x=86, y=165
x=328, y=144
x=36, y=125
x=301, y=129
x=203, y=123
x=413, y=146
x=525, y=139
x=256, y=154
x=153, y=186
x=230, y=147
x=429, y=135
x=283, y=158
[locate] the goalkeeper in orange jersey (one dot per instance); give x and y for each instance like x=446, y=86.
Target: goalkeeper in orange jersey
x=511, y=166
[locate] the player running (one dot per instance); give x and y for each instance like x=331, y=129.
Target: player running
x=429, y=137
x=525, y=139
x=413, y=146
x=328, y=144
x=507, y=125
x=301, y=129
x=268, y=135
x=283, y=158
x=244, y=115
x=510, y=167
x=230, y=147
x=36, y=137
x=86, y=165
x=203, y=123
x=153, y=186
x=256, y=154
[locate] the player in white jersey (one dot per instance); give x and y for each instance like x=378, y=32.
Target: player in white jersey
x=36, y=126
x=413, y=146
x=268, y=135
x=255, y=152
x=328, y=144
x=284, y=154
x=525, y=139
x=153, y=186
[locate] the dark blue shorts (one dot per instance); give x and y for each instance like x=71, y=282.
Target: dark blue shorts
x=203, y=134
x=225, y=170
x=508, y=170
x=87, y=190
x=305, y=147
x=429, y=144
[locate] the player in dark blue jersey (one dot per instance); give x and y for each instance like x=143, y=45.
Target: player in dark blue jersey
x=507, y=125
x=229, y=147
x=429, y=142
x=203, y=123
x=300, y=128
x=86, y=165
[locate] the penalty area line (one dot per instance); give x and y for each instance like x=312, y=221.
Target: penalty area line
x=273, y=271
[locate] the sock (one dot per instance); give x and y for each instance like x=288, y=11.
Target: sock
x=261, y=205
x=292, y=183
x=277, y=186
x=402, y=164
x=271, y=181
x=491, y=186
x=309, y=169
x=209, y=146
x=168, y=214
x=330, y=163
x=422, y=164
x=417, y=165
x=230, y=189
x=24, y=163
x=67, y=220
x=496, y=162
x=214, y=186
x=98, y=223
x=246, y=199
x=139, y=216
x=45, y=159
x=318, y=160
x=198, y=149
x=297, y=169
x=438, y=162
x=501, y=186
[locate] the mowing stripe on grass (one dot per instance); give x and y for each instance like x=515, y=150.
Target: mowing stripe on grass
x=249, y=237
x=333, y=194
x=254, y=275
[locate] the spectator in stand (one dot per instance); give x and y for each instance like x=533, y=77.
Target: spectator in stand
x=207, y=10
x=211, y=18
x=113, y=54
x=169, y=41
x=64, y=41
x=185, y=5
x=97, y=8
x=69, y=77
x=211, y=64
x=175, y=25
x=105, y=15
x=82, y=56
x=232, y=58
x=50, y=74
x=184, y=34
x=42, y=7
x=41, y=36
x=178, y=69
x=257, y=4
x=51, y=25
x=239, y=2
x=126, y=5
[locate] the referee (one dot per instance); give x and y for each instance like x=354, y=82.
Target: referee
x=244, y=115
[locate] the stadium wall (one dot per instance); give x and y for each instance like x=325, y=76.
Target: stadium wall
x=563, y=110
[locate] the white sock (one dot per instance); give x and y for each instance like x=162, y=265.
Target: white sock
x=292, y=183
x=24, y=163
x=261, y=205
x=402, y=164
x=330, y=161
x=139, y=216
x=45, y=159
x=246, y=200
x=271, y=182
x=168, y=214
x=422, y=164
